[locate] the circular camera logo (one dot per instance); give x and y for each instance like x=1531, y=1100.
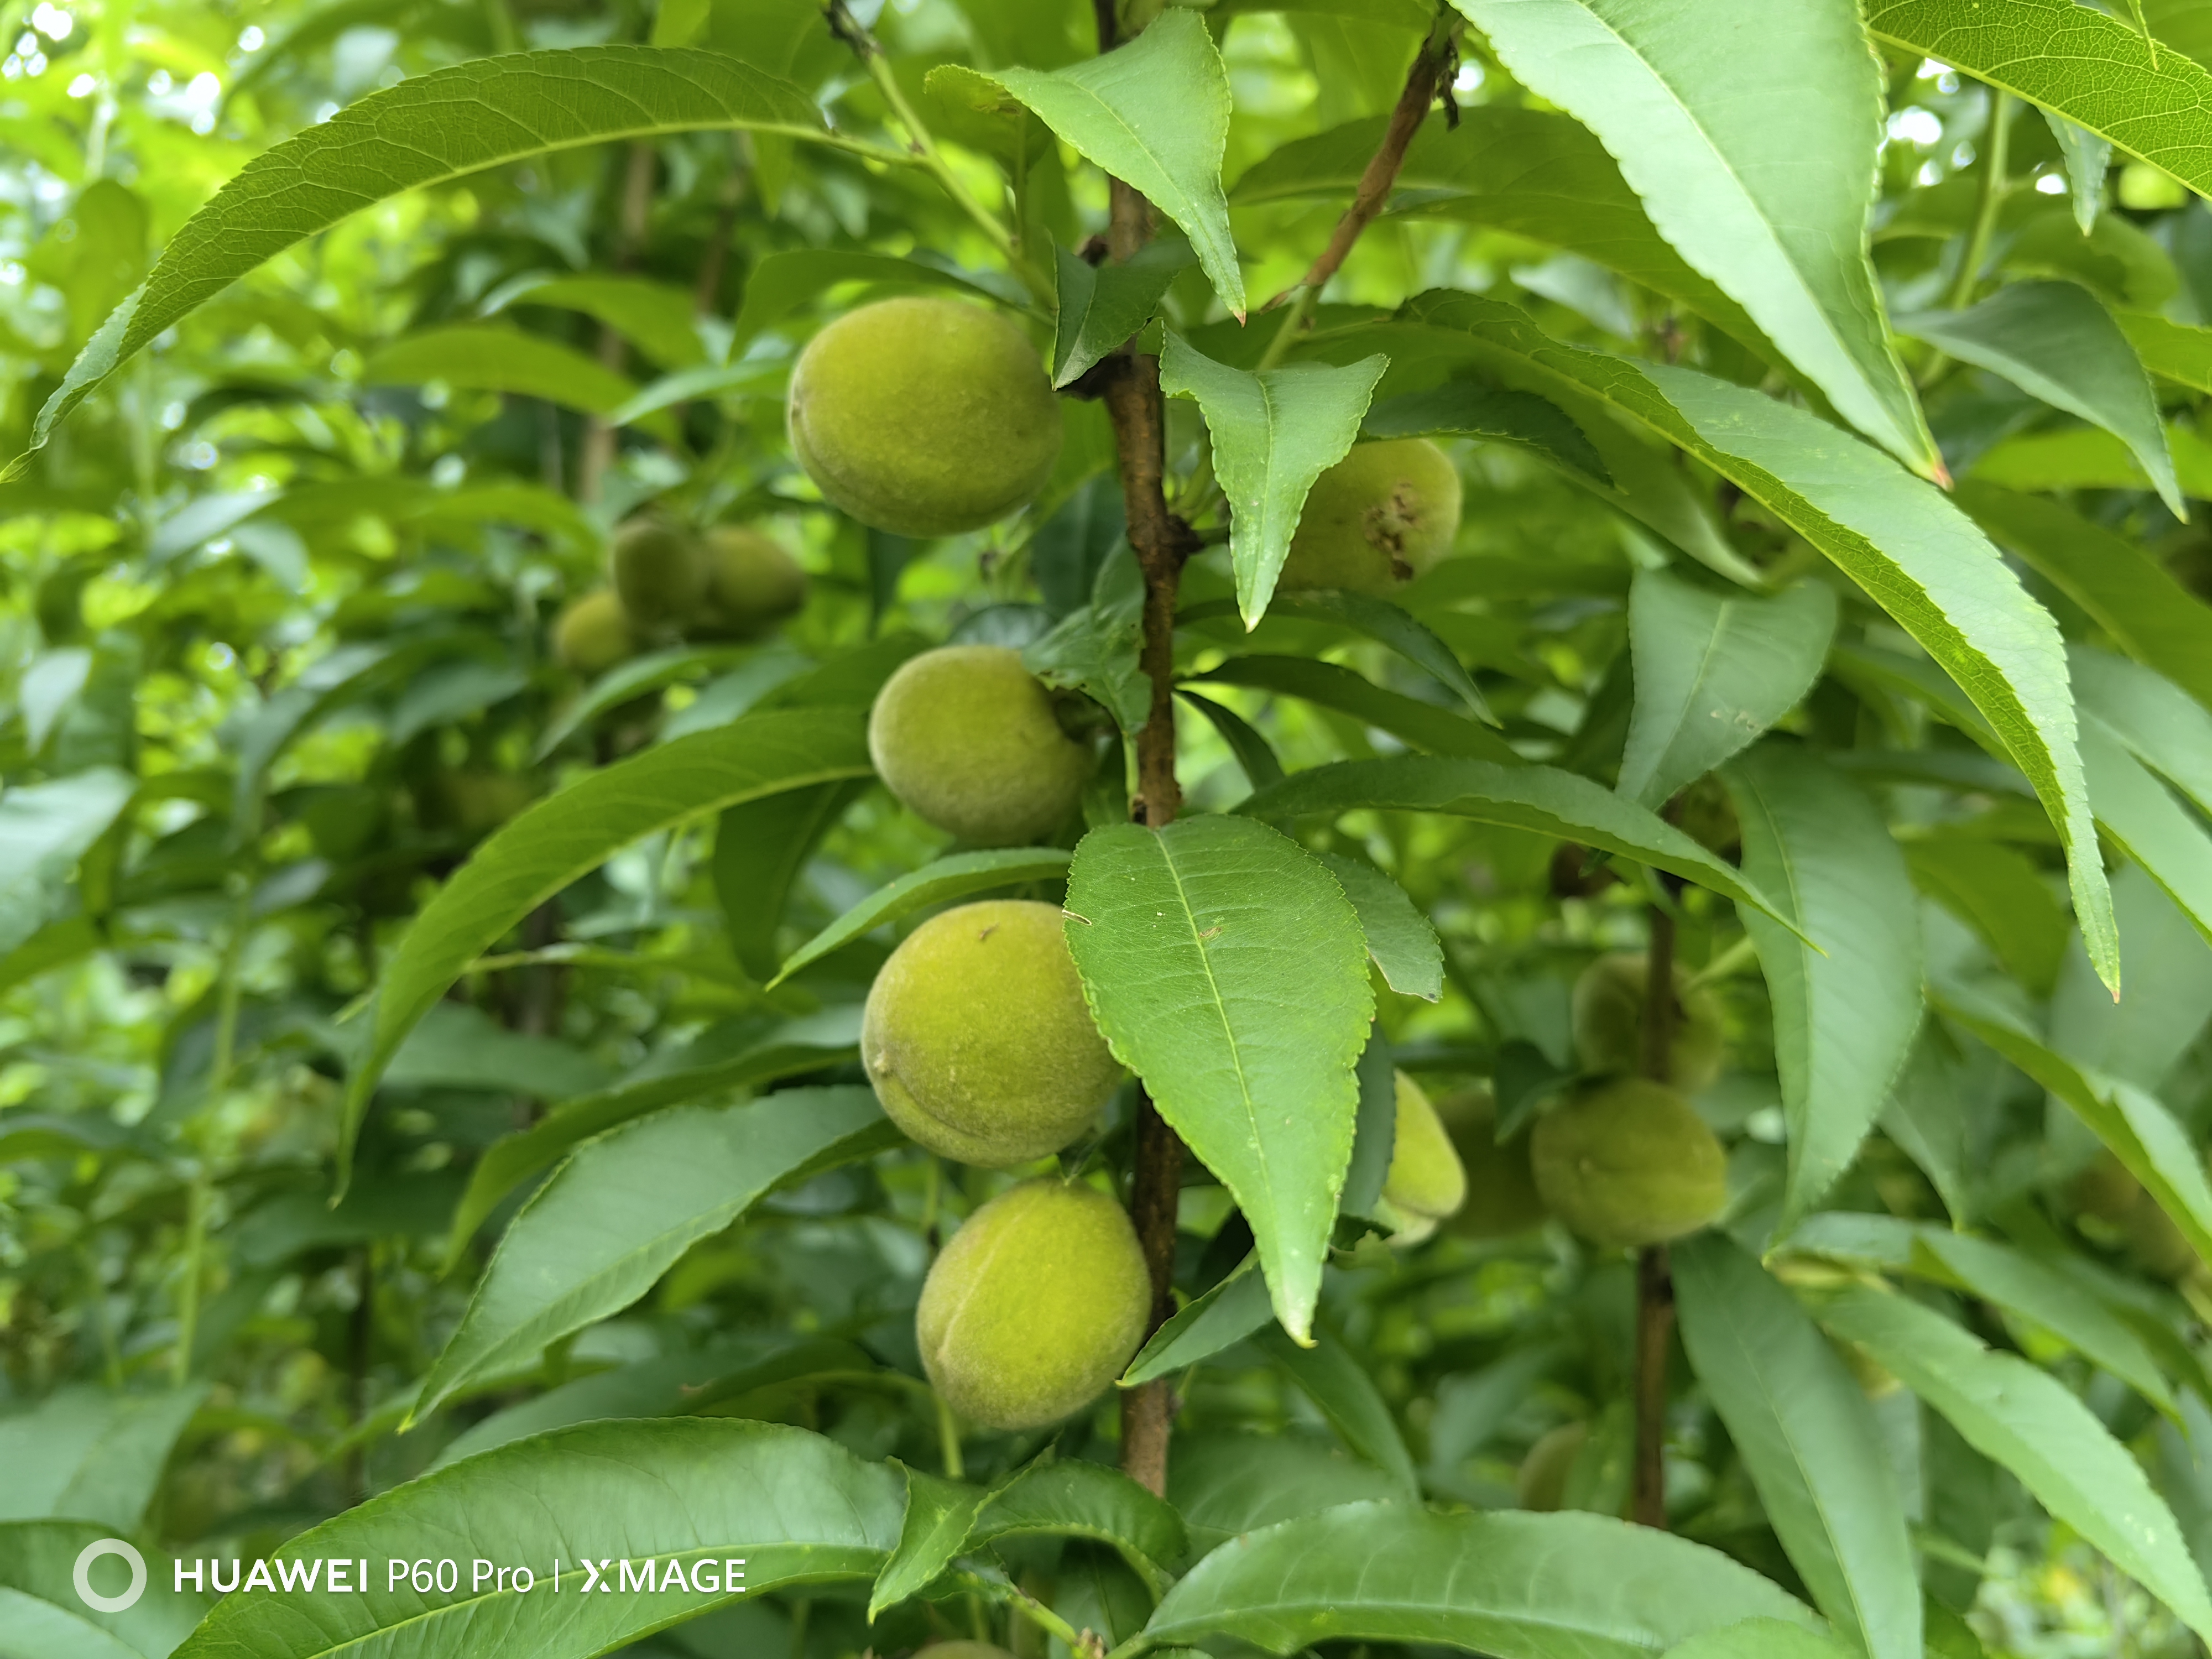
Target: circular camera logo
x=83, y=1576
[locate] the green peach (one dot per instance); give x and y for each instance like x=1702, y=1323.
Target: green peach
x=971, y=740
x=978, y=1039
x=1377, y=518
x=659, y=574
x=593, y=634
x=752, y=582
x=924, y=416
x=1426, y=1183
x=1034, y=1307
x=1549, y=1464
x=1629, y=1163
x=476, y=802
x=1608, y=1021
x=1502, y=1200
x=962, y=1650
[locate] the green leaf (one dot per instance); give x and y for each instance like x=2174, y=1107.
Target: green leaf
x=2087, y=159
x=1273, y=433
x=1221, y=1318
x=45, y=829
x=1348, y=1397
x=2130, y=594
x=428, y=130
x=2147, y=823
x=2089, y=458
x=2043, y=1294
x=1533, y=173
x=458, y=1047
x=1155, y=113
x=1401, y=940
x=938, y=1516
x=1541, y=799
x=936, y=882
x=659, y=319
x=2037, y=1289
x=573, y=833
x=761, y=847
x=739, y=1055
x=1094, y=649
x=1380, y=621
x=626, y=1206
x=1762, y=1638
x=2073, y=61
x=1713, y=670
x=1332, y=685
x=2057, y=342
x=668, y=1385
x=1808, y=1440
x=43, y=1616
x=1898, y=537
x=484, y=357
x=784, y=283
x=2010, y=1411
x=1696, y=141
x=2135, y=1127
x=1227, y=970
x=1466, y=409
x=85, y=1453
x=639, y=676
x=1229, y=1484
x=1518, y=1585
x=1070, y=1498
x=2173, y=351
x=1847, y=1004
x=2151, y=715
x=1101, y=307
x=795, y=1508
x=1255, y=754
x=2002, y=895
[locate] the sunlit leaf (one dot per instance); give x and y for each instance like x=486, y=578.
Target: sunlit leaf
x=1762, y=184
x=1845, y=1005
x=625, y=1206
x=1227, y=970
x=1274, y=432
x=429, y=129
x=2031, y=1424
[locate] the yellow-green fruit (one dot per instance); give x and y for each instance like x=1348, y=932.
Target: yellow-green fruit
x=1629, y=1163
x=1426, y=1183
x=969, y=739
x=659, y=574
x=1543, y=1481
x=962, y=1650
x=978, y=1039
x=478, y=803
x=1502, y=1200
x=752, y=583
x=1376, y=519
x=1034, y=1307
x=924, y=418
x=1608, y=1014
x=593, y=634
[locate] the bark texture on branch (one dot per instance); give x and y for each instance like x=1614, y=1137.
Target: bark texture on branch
x=1131, y=391
x=1423, y=81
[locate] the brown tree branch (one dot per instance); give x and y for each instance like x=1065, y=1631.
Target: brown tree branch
x=1655, y=1283
x=1161, y=541
x=1422, y=82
